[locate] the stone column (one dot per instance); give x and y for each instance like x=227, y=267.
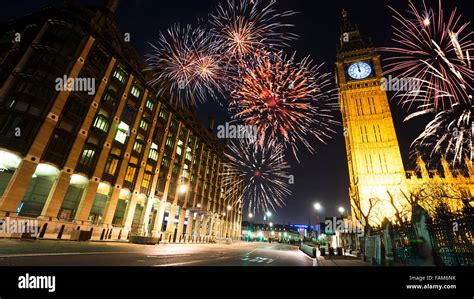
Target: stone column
x=87, y=200
x=130, y=212
x=211, y=227
x=16, y=188
x=197, y=228
x=171, y=216
x=58, y=191
x=182, y=215
x=204, y=226
x=189, y=228
x=111, y=206
x=145, y=216
x=156, y=231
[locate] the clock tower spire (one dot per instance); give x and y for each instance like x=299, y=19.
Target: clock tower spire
x=373, y=154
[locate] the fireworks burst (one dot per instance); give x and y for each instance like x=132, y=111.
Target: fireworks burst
x=285, y=100
x=448, y=135
x=244, y=28
x=261, y=170
x=187, y=65
x=435, y=52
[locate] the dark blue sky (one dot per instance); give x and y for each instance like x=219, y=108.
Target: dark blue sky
x=321, y=177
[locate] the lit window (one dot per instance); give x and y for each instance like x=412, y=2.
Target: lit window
x=87, y=157
x=179, y=149
x=189, y=154
x=153, y=152
x=138, y=146
x=165, y=162
x=144, y=125
x=169, y=142
x=120, y=74
x=122, y=132
x=149, y=104
x=163, y=115
x=130, y=175
x=101, y=123
x=111, y=165
x=146, y=180
x=135, y=92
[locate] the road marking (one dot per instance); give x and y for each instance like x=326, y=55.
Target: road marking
x=315, y=260
x=60, y=254
x=191, y=262
x=167, y=255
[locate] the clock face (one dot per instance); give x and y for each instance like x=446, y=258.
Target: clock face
x=359, y=70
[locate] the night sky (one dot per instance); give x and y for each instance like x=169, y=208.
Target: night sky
x=320, y=177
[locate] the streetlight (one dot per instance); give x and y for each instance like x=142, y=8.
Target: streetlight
x=229, y=207
x=341, y=234
x=250, y=215
x=268, y=214
x=317, y=207
x=183, y=189
x=271, y=224
x=341, y=210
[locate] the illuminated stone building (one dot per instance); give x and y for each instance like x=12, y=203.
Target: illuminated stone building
x=373, y=154
x=104, y=155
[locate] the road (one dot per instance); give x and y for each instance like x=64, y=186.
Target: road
x=65, y=253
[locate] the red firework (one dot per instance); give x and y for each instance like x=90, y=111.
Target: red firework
x=284, y=100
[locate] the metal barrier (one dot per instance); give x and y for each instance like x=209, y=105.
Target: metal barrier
x=309, y=250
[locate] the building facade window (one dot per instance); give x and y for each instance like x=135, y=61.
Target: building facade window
x=120, y=74
x=130, y=174
x=149, y=104
x=87, y=157
x=144, y=125
x=138, y=146
x=135, y=92
x=101, y=122
x=153, y=152
x=122, y=132
x=111, y=165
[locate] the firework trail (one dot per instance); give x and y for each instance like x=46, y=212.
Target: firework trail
x=449, y=135
x=187, y=65
x=285, y=100
x=262, y=171
x=435, y=51
x=244, y=28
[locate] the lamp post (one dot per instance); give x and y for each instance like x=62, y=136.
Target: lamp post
x=317, y=206
x=341, y=210
x=266, y=217
x=342, y=234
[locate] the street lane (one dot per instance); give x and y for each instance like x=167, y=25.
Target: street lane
x=64, y=253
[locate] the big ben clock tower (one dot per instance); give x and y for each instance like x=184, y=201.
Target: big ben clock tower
x=373, y=154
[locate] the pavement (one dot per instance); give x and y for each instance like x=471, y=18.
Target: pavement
x=67, y=253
